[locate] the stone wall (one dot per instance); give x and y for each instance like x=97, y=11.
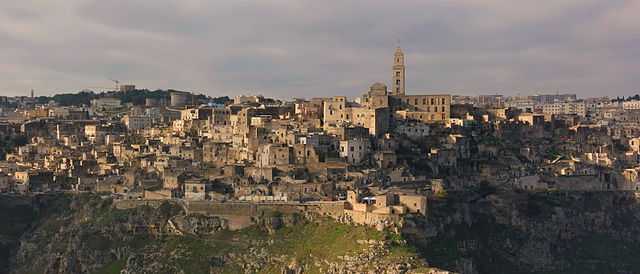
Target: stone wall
x=258, y=209
x=371, y=219
x=241, y=214
x=129, y=204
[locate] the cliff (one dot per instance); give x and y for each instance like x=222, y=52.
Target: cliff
x=86, y=234
x=497, y=232
x=506, y=232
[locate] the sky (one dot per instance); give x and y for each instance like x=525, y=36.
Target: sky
x=301, y=48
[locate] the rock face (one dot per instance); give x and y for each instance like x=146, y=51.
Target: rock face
x=196, y=224
x=17, y=216
x=85, y=234
x=499, y=233
x=532, y=233
x=81, y=234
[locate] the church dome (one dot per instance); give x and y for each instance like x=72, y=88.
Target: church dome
x=378, y=86
x=378, y=89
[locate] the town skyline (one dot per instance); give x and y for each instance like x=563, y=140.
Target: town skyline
x=281, y=49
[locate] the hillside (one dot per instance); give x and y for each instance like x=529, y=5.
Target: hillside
x=86, y=235
x=502, y=232
x=507, y=232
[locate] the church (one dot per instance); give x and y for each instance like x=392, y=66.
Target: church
x=432, y=108
x=377, y=109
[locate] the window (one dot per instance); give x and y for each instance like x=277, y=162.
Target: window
x=443, y=101
x=398, y=82
x=433, y=101
x=397, y=74
x=424, y=101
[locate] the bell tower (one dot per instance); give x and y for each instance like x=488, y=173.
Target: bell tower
x=398, y=73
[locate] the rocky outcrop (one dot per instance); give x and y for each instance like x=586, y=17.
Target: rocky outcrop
x=81, y=234
x=196, y=224
x=499, y=233
x=510, y=232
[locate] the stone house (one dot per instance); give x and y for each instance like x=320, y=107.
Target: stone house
x=403, y=175
x=355, y=151
x=196, y=189
x=305, y=154
x=382, y=210
x=385, y=159
x=216, y=153
x=271, y=155
x=34, y=181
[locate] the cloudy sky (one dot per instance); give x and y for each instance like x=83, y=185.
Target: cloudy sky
x=300, y=48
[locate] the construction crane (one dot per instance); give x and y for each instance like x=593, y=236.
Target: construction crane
x=117, y=84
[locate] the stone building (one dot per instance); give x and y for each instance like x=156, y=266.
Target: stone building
x=355, y=151
x=271, y=155
x=398, y=78
x=135, y=122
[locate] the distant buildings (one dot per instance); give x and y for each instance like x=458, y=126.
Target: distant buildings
x=565, y=108
x=105, y=104
x=631, y=104
x=180, y=99
x=127, y=88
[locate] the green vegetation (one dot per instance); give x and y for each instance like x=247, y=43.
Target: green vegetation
x=600, y=253
x=71, y=99
x=17, y=216
x=112, y=268
x=301, y=242
x=136, y=97
x=325, y=240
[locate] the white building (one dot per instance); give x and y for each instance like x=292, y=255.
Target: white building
x=106, y=103
x=565, y=108
x=355, y=151
x=523, y=103
x=633, y=104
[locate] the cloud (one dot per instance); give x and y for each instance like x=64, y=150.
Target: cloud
x=287, y=48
